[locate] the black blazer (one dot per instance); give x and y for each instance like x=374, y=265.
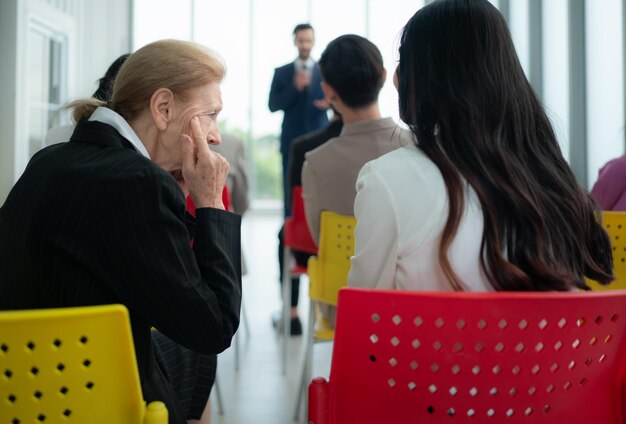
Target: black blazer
x=92, y=221
x=301, y=116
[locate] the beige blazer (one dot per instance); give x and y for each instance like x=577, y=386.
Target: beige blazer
x=329, y=173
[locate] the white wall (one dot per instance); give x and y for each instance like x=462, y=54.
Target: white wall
x=97, y=32
x=8, y=83
x=555, y=70
x=105, y=34
x=605, y=86
x=518, y=24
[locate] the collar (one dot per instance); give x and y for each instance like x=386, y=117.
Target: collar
x=367, y=126
x=109, y=117
x=299, y=63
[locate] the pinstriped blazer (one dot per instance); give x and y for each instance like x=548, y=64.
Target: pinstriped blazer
x=94, y=222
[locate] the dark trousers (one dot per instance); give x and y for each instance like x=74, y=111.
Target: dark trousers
x=301, y=259
x=190, y=375
x=286, y=187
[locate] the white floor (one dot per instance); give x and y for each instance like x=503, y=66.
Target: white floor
x=258, y=392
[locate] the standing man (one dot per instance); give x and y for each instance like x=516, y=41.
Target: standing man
x=297, y=92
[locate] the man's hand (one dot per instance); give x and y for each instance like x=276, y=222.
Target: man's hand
x=322, y=104
x=302, y=79
x=204, y=171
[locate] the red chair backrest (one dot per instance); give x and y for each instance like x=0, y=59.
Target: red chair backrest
x=191, y=208
x=407, y=357
x=297, y=234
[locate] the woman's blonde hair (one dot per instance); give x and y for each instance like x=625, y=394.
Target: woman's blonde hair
x=179, y=66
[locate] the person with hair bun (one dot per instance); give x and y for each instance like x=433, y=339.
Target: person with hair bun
x=62, y=133
x=484, y=200
x=101, y=219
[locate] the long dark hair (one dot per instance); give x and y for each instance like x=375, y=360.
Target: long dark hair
x=464, y=95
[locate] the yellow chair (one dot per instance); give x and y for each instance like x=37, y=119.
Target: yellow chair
x=328, y=272
x=71, y=365
x=615, y=224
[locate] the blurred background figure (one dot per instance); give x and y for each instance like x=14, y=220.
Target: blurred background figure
x=299, y=147
x=296, y=91
x=353, y=75
x=610, y=189
x=238, y=178
x=232, y=149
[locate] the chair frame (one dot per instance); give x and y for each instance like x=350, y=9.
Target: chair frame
x=296, y=236
x=328, y=272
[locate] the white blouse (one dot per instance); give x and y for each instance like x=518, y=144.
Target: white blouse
x=401, y=209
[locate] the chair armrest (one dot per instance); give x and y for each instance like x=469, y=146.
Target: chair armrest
x=156, y=413
x=318, y=401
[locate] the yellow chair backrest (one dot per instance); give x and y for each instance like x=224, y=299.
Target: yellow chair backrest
x=328, y=272
x=615, y=224
x=71, y=365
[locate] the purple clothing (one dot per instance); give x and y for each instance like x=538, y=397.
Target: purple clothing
x=610, y=189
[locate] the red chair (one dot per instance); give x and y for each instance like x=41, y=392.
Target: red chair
x=296, y=233
x=296, y=237
x=409, y=357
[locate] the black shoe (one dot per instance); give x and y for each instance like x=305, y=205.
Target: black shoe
x=295, y=327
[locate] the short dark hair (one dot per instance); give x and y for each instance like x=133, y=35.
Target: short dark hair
x=353, y=67
x=302, y=27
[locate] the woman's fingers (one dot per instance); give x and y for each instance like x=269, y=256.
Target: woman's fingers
x=205, y=171
x=199, y=137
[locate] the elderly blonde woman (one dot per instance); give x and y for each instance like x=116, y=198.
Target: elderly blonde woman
x=101, y=219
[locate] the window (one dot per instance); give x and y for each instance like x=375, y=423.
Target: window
x=254, y=37
x=46, y=86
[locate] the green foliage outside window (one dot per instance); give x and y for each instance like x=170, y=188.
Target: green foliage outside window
x=264, y=160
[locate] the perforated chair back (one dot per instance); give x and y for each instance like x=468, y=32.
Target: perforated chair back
x=407, y=357
x=328, y=272
x=71, y=365
x=615, y=225
x=297, y=235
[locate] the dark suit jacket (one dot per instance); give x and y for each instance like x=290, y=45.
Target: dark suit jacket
x=305, y=143
x=92, y=222
x=301, y=116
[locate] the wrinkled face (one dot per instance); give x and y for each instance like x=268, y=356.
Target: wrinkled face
x=205, y=103
x=304, y=40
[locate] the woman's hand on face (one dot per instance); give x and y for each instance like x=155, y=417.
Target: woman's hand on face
x=204, y=171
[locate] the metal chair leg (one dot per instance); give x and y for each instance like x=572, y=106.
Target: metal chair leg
x=307, y=362
x=237, y=337
x=286, y=307
x=218, y=396
x=244, y=316
x=244, y=323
